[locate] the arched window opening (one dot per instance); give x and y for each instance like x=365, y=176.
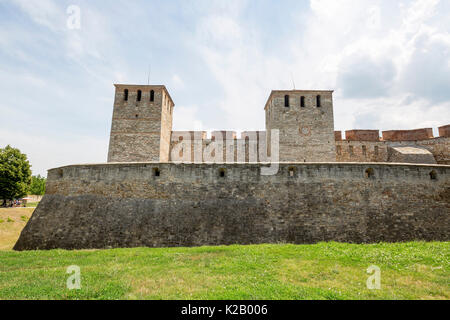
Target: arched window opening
x=370, y=173
x=156, y=172
x=433, y=175
x=222, y=173
x=139, y=95
x=286, y=100
x=125, y=95
x=152, y=96
x=318, y=102
x=302, y=102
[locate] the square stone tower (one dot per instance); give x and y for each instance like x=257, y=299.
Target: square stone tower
x=141, y=124
x=305, y=122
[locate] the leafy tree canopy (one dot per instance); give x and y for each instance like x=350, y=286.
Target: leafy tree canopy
x=37, y=185
x=15, y=173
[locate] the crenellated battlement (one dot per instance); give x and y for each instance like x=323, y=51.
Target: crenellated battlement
x=392, y=135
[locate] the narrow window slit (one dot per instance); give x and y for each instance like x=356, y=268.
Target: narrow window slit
x=370, y=173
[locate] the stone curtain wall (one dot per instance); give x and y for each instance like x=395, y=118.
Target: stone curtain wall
x=159, y=205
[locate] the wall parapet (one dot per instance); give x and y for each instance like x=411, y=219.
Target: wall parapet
x=362, y=135
x=444, y=131
x=392, y=135
x=408, y=135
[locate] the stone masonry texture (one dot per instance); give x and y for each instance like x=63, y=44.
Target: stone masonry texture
x=126, y=205
x=141, y=130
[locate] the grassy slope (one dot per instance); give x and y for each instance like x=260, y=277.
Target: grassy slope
x=12, y=221
x=322, y=271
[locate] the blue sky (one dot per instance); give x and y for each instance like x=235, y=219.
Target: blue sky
x=388, y=62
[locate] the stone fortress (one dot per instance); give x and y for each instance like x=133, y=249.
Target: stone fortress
x=142, y=131
x=170, y=188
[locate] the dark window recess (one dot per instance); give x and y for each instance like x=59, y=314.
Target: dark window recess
x=152, y=96
x=318, y=102
x=433, y=175
x=125, y=95
x=370, y=173
x=286, y=101
x=156, y=172
x=139, y=95
x=302, y=102
x=222, y=173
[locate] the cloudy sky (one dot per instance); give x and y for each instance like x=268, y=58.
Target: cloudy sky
x=388, y=62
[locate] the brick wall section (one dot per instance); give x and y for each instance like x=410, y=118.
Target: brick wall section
x=306, y=133
x=408, y=135
x=126, y=205
x=361, y=151
x=362, y=135
x=439, y=147
x=444, y=131
x=353, y=151
x=184, y=145
x=252, y=144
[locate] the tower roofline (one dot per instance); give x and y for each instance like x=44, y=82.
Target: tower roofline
x=145, y=87
x=293, y=91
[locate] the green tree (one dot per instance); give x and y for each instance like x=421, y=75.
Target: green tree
x=15, y=174
x=37, y=187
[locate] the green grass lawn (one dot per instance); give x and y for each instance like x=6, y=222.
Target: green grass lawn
x=323, y=271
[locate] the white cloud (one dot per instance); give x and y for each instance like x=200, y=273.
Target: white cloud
x=43, y=12
x=45, y=152
x=186, y=118
x=374, y=68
